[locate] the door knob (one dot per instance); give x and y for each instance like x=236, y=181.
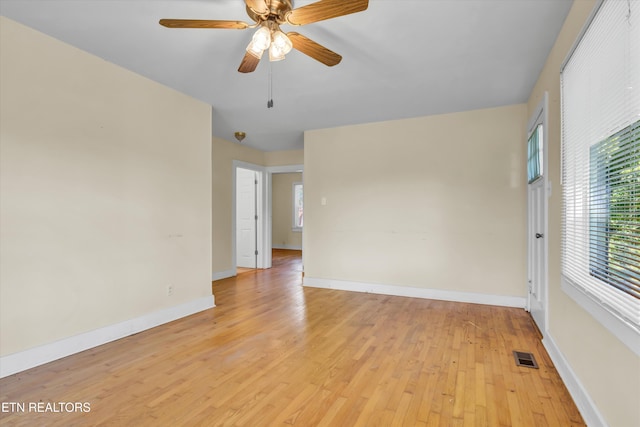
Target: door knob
x=538, y=235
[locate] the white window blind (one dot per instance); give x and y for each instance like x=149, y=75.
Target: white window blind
x=601, y=161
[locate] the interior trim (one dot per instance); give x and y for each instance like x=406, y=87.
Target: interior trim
x=288, y=247
x=408, y=291
x=219, y=275
x=621, y=329
x=586, y=406
x=584, y=29
x=23, y=360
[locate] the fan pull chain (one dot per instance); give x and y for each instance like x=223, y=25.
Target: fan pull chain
x=270, y=95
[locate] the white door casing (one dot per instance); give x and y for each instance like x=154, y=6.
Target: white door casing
x=537, y=279
x=537, y=218
x=269, y=171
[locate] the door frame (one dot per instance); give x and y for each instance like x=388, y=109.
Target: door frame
x=270, y=170
x=264, y=209
x=540, y=116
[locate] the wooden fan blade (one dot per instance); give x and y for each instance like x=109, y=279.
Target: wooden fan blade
x=203, y=23
x=258, y=6
x=325, y=9
x=248, y=64
x=314, y=50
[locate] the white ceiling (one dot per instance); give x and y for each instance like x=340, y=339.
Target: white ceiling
x=401, y=58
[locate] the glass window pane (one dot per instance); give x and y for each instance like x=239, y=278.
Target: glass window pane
x=534, y=155
x=298, y=197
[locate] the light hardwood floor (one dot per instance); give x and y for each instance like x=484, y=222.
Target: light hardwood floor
x=273, y=353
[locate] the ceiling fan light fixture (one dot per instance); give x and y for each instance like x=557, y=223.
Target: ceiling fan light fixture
x=275, y=53
x=257, y=53
x=259, y=42
x=281, y=41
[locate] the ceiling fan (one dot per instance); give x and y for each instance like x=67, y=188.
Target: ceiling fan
x=268, y=15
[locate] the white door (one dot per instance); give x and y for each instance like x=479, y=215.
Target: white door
x=537, y=160
x=246, y=235
x=537, y=268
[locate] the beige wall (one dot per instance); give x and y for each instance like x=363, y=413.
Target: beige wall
x=607, y=369
x=284, y=158
x=434, y=202
x=283, y=235
x=106, y=193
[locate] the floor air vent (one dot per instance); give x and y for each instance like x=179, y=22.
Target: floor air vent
x=525, y=359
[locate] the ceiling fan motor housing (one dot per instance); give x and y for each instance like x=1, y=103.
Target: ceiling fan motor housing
x=278, y=10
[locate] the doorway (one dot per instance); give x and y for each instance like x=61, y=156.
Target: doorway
x=285, y=221
x=262, y=198
x=287, y=211
x=537, y=217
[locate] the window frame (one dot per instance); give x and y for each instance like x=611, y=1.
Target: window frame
x=294, y=224
x=597, y=306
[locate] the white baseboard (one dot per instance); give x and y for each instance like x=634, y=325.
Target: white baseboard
x=586, y=406
x=407, y=291
x=21, y=361
x=289, y=247
x=219, y=275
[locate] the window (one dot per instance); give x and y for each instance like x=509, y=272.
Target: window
x=298, y=198
x=534, y=154
x=600, y=85
x=614, y=210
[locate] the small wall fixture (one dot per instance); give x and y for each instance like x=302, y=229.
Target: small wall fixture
x=239, y=136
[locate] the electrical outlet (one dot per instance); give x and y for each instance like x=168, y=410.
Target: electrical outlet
x=169, y=290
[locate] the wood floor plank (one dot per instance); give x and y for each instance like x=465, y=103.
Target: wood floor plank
x=273, y=353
